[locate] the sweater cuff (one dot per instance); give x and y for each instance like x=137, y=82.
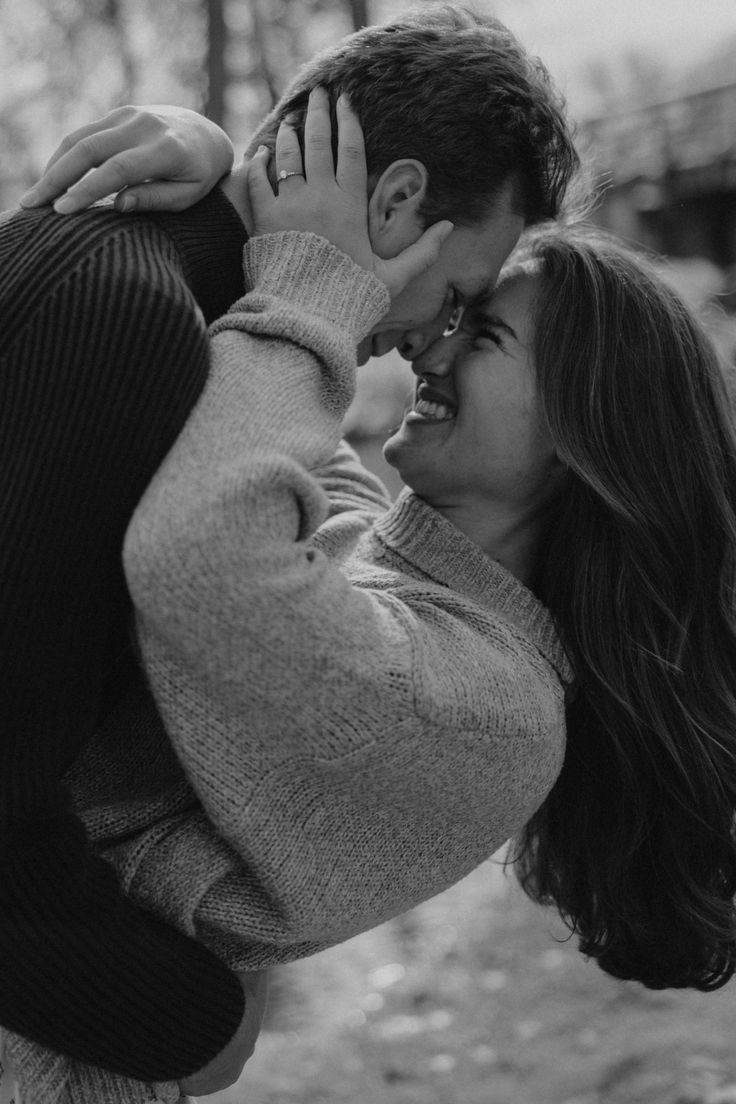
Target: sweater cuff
x=45, y=1077
x=311, y=273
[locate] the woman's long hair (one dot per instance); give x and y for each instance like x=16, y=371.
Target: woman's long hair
x=635, y=844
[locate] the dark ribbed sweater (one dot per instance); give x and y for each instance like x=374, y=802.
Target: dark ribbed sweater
x=103, y=353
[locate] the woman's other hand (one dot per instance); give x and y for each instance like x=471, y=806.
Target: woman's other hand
x=332, y=201
x=157, y=158
x=227, y=1066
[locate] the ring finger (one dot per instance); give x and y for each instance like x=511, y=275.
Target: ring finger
x=288, y=155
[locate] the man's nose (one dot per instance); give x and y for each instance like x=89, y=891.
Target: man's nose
x=414, y=342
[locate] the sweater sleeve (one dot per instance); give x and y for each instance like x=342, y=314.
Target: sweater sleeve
x=102, y=370
x=356, y=498
x=358, y=751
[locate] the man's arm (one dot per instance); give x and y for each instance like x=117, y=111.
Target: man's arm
x=159, y=158
x=103, y=357
x=46, y=1077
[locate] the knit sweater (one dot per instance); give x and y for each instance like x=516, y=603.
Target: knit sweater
x=103, y=354
x=366, y=704
x=364, y=727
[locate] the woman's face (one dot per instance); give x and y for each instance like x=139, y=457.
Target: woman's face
x=476, y=437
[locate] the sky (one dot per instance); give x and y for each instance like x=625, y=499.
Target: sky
x=567, y=34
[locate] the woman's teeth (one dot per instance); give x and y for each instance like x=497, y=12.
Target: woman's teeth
x=437, y=411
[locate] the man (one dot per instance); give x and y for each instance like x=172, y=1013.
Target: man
x=104, y=356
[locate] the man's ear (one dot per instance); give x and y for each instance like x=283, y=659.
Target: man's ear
x=393, y=208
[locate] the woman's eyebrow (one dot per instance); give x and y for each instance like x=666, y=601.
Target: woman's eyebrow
x=493, y=320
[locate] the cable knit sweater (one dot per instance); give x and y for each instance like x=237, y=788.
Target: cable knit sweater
x=365, y=704
x=103, y=354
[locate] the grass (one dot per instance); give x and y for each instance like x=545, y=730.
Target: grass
x=477, y=997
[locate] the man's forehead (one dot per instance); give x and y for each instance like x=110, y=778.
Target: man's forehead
x=477, y=278
x=483, y=248
x=473, y=289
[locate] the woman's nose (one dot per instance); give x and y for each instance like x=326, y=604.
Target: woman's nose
x=415, y=341
x=436, y=358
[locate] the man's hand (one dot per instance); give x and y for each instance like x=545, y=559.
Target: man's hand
x=158, y=158
x=226, y=1067
x=328, y=200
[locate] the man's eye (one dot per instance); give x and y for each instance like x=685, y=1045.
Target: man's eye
x=454, y=319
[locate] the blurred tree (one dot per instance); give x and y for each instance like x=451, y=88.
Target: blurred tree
x=638, y=78
x=215, y=61
x=631, y=80
x=65, y=62
x=359, y=11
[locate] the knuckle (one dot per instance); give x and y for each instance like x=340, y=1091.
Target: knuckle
x=119, y=114
x=120, y=170
x=66, y=144
x=89, y=148
x=142, y=125
x=173, y=146
x=352, y=151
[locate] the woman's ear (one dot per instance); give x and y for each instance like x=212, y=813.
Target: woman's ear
x=393, y=208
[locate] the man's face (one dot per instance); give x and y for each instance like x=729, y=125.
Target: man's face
x=466, y=269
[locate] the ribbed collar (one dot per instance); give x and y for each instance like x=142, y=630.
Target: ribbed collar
x=210, y=237
x=432, y=545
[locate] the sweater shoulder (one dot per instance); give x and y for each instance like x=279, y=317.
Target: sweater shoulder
x=102, y=254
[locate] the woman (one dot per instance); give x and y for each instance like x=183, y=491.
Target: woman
x=635, y=843
x=536, y=641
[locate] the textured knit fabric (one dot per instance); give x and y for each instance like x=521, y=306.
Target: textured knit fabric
x=366, y=704
x=103, y=354
x=363, y=733
x=363, y=726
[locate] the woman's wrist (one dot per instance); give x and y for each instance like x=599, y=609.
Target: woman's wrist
x=313, y=276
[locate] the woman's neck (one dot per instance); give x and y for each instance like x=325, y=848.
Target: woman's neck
x=509, y=536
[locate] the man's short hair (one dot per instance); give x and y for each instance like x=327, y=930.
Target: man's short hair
x=458, y=92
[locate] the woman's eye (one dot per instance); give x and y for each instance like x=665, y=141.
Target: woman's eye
x=491, y=334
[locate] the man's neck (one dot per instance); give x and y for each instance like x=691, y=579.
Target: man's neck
x=235, y=187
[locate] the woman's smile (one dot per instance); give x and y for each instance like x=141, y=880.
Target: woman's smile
x=476, y=388
x=431, y=404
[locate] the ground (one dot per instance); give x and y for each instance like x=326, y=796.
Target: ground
x=477, y=997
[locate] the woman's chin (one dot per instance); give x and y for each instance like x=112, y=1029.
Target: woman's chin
x=392, y=448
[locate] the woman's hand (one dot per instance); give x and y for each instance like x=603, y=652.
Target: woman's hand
x=158, y=158
x=331, y=201
x=227, y=1066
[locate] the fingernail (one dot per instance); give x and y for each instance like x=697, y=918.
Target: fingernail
x=29, y=198
x=126, y=203
x=65, y=205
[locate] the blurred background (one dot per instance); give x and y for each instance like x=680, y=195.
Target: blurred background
x=477, y=997
x=651, y=84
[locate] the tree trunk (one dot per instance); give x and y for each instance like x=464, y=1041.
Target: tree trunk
x=215, y=62
x=359, y=13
